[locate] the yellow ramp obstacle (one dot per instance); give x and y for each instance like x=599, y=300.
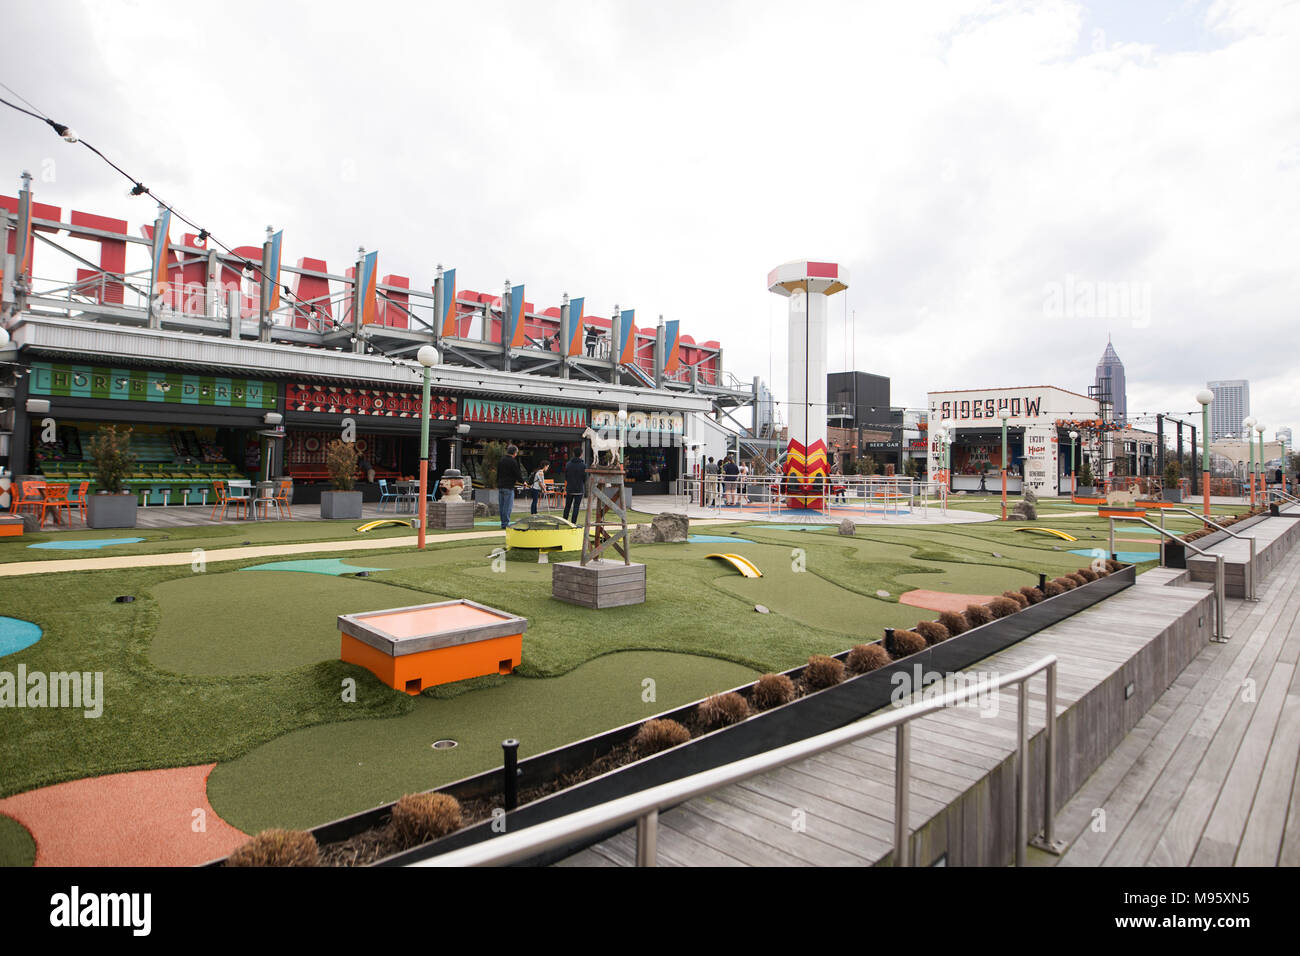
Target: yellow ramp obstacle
x=372, y=525
x=1052, y=531
x=741, y=564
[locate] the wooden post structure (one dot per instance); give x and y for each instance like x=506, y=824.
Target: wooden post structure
x=596, y=533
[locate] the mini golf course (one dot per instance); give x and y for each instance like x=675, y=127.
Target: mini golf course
x=240, y=671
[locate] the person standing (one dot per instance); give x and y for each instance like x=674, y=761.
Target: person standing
x=711, y=482
x=508, y=476
x=589, y=339
x=732, y=472
x=537, y=487
x=575, y=486
x=744, y=484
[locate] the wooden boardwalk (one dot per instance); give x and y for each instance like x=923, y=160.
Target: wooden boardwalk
x=837, y=809
x=1208, y=777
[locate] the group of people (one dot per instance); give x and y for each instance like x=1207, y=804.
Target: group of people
x=725, y=482
x=510, y=476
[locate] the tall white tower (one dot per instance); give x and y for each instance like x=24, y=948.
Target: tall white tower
x=807, y=285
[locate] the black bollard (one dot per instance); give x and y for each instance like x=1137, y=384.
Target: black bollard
x=889, y=639
x=1042, y=582
x=510, y=778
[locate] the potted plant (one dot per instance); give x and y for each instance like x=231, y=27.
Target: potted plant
x=111, y=506
x=1087, y=484
x=1172, y=490
x=341, y=462
x=493, y=452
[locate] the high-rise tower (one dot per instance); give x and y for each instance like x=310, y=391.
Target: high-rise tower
x=1110, y=385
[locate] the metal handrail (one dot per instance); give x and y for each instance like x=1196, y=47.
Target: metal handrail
x=1250, y=591
x=1275, y=492
x=644, y=807
x=1219, y=592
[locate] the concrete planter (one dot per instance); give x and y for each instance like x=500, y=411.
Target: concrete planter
x=1086, y=491
x=110, y=511
x=340, y=504
x=1173, y=494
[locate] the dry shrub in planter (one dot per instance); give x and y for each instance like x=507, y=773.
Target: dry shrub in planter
x=907, y=643
x=1112, y=565
x=772, y=690
x=955, y=623
x=1001, y=607
x=421, y=817
x=657, y=735
x=722, y=710
x=867, y=657
x=277, y=848
x=932, y=631
x=1052, y=589
x=1087, y=574
x=1016, y=596
x=1032, y=594
x=822, y=672
x=1064, y=583
x=977, y=614
x=1078, y=579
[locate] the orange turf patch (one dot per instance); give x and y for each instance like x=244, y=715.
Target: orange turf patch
x=942, y=600
x=145, y=818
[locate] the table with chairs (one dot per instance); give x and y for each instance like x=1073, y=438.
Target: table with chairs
x=50, y=499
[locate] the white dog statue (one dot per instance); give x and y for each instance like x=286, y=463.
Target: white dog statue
x=598, y=444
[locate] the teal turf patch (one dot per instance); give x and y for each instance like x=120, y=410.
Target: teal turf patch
x=1128, y=557
x=17, y=635
x=315, y=566
x=83, y=544
x=716, y=539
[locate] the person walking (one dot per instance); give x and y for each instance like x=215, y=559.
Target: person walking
x=508, y=476
x=537, y=487
x=575, y=486
x=711, y=482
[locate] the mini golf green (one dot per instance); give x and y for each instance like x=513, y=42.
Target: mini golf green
x=333, y=566
x=309, y=777
x=17, y=848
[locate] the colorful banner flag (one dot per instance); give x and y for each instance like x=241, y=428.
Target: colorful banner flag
x=272, y=271
x=447, y=320
x=366, y=283
x=514, y=330
x=627, y=349
x=574, y=345
x=672, y=346
x=161, y=243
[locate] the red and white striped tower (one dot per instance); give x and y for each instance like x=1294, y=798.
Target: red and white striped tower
x=807, y=285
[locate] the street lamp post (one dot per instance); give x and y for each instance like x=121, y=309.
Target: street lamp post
x=1205, y=396
x=1259, y=462
x=949, y=431
x=1074, y=437
x=1004, y=413
x=941, y=437
x=428, y=357
x=1248, y=425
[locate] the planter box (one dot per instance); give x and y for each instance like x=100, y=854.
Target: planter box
x=1175, y=553
x=340, y=504
x=110, y=511
x=1086, y=491
x=798, y=720
x=1173, y=494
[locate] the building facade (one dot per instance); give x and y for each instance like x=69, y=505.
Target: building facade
x=1109, y=384
x=1230, y=407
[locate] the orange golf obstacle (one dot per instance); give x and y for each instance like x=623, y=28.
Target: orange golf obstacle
x=411, y=648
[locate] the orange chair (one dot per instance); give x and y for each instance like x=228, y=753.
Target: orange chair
x=80, y=500
x=225, y=500
x=56, y=500
x=280, y=498
x=29, y=498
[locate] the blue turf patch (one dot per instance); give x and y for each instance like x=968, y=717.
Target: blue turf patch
x=17, y=634
x=716, y=539
x=83, y=544
x=313, y=566
x=1127, y=557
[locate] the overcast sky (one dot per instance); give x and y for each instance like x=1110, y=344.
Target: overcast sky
x=1007, y=182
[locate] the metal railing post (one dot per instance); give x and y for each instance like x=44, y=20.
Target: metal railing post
x=1219, y=595
x=902, y=778
x=1046, y=840
x=1111, y=550
x=647, y=839
x=1251, y=569
x=1022, y=772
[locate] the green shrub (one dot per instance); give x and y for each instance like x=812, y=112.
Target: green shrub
x=341, y=459
x=110, y=450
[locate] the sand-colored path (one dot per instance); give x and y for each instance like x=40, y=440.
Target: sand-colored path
x=942, y=600
x=175, y=558
x=145, y=818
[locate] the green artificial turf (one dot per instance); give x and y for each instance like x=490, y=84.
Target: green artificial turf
x=312, y=776
x=17, y=848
